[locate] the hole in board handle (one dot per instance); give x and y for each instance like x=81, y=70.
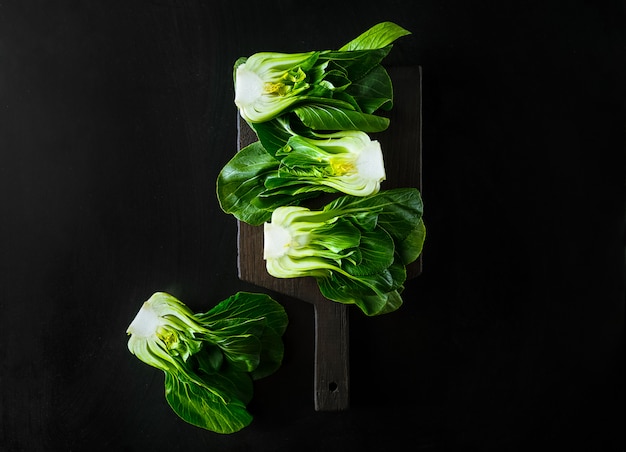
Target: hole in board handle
x=332, y=386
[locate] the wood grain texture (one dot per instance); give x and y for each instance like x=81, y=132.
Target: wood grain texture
x=401, y=144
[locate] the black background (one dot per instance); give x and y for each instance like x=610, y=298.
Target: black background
x=115, y=118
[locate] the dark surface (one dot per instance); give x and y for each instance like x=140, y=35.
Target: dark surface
x=115, y=118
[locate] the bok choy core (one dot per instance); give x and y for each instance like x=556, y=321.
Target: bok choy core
x=326, y=90
x=210, y=359
x=356, y=248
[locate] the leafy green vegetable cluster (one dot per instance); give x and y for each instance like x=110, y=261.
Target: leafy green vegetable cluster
x=356, y=248
x=312, y=113
x=293, y=102
x=255, y=182
x=326, y=90
x=210, y=359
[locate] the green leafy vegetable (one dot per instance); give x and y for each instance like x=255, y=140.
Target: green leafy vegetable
x=330, y=117
x=254, y=183
x=267, y=83
x=378, y=36
x=357, y=248
x=210, y=359
x=311, y=113
x=327, y=90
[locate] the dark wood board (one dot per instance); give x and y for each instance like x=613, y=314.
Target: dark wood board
x=401, y=144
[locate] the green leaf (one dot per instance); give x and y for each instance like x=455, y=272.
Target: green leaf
x=365, y=220
x=239, y=341
x=209, y=360
x=401, y=213
x=202, y=407
x=410, y=248
x=241, y=181
x=400, y=210
x=377, y=254
x=230, y=383
x=397, y=270
x=380, y=304
x=336, y=236
x=271, y=357
x=273, y=134
x=383, y=201
x=356, y=64
x=248, y=305
x=380, y=35
x=324, y=117
x=286, y=189
x=242, y=313
x=371, y=293
x=374, y=91
x=303, y=156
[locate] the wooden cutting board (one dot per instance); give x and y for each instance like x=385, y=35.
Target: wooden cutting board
x=402, y=146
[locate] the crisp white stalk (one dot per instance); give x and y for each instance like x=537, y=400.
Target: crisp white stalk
x=287, y=251
x=145, y=323
x=277, y=241
x=370, y=164
x=162, y=331
x=361, y=172
x=249, y=87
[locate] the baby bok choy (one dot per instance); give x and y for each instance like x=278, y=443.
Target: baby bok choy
x=325, y=90
x=255, y=182
x=210, y=359
x=357, y=248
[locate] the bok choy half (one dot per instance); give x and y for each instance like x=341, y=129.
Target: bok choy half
x=325, y=90
x=210, y=359
x=357, y=248
x=254, y=182
x=312, y=113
